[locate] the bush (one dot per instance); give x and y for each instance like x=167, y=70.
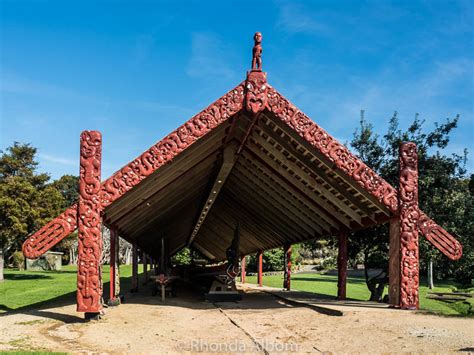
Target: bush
x=18, y=260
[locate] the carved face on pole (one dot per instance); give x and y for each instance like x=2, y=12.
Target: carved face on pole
x=257, y=37
x=256, y=96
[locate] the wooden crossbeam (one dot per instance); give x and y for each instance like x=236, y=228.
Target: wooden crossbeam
x=228, y=160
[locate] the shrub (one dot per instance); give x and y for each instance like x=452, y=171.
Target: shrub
x=18, y=260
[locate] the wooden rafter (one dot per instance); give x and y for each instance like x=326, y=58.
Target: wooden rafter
x=308, y=180
x=228, y=160
x=283, y=140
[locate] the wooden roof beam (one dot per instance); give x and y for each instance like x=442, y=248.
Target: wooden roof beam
x=312, y=166
x=279, y=189
x=325, y=207
x=330, y=165
x=321, y=190
x=229, y=158
x=285, y=206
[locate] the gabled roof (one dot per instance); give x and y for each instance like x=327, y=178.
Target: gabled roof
x=270, y=167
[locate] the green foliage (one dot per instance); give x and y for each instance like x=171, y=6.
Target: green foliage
x=18, y=260
x=273, y=259
x=68, y=186
x=28, y=199
x=182, y=257
x=445, y=193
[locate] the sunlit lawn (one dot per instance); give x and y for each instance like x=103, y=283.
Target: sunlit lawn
x=29, y=288
x=356, y=289
x=23, y=289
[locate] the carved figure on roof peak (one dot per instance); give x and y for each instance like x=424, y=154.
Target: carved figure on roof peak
x=257, y=52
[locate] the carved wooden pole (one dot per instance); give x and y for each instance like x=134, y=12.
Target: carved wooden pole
x=409, y=217
x=287, y=276
x=89, y=276
x=342, y=266
x=145, y=267
x=114, y=272
x=394, y=262
x=260, y=268
x=134, y=268
x=242, y=270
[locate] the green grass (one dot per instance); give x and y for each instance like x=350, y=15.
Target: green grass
x=22, y=289
x=34, y=289
x=326, y=285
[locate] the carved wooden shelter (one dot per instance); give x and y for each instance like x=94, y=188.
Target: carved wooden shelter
x=253, y=158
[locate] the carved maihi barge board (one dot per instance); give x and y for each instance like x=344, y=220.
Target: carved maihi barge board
x=253, y=97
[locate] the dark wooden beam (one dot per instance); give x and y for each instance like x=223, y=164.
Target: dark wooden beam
x=228, y=161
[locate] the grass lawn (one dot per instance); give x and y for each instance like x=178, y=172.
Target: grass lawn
x=326, y=285
x=25, y=289
x=39, y=288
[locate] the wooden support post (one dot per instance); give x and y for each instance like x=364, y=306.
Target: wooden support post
x=242, y=270
x=114, y=269
x=89, y=220
x=260, y=268
x=409, y=216
x=287, y=262
x=394, y=262
x=145, y=267
x=342, y=266
x=134, y=269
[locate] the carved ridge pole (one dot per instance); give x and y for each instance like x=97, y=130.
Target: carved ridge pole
x=89, y=276
x=409, y=219
x=342, y=266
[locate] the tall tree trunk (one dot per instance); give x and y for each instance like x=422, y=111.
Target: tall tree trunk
x=430, y=275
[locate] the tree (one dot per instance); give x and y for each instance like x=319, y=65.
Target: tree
x=444, y=192
x=27, y=200
x=68, y=186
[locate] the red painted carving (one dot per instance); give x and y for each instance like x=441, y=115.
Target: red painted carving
x=342, y=266
x=257, y=52
x=336, y=152
x=89, y=282
x=344, y=160
x=164, y=151
x=51, y=234
x=439, y=237
x=123, y=180
x=256, y=91
x=258, y=95
x=409, y=216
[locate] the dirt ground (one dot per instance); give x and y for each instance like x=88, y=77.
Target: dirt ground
x=260, y=323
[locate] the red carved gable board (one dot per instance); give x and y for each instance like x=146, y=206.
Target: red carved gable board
x=262, y=96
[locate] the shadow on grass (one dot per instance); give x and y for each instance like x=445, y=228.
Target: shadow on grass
x=41, y=309
x=355, y=280
x=18, y=277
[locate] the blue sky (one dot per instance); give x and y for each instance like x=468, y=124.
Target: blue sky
x=136, y=70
